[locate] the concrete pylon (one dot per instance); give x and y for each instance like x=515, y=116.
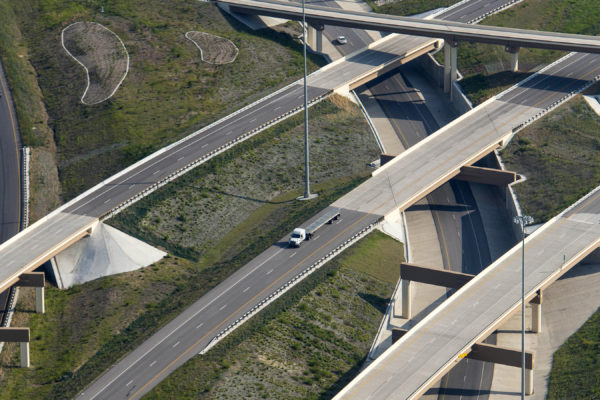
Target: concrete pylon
x=25, y=362
x=319, y=32
x=40, y=307
x=514, y=57
x=450, y=67
x=314, y=37
x=310, y=36
x=536, y=313
x=406, y=299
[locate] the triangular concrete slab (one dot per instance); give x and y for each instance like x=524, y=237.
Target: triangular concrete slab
x=107, y=251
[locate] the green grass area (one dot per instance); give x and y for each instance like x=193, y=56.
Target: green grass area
x=486, y=67
x=308, y=344
x=22, y=80
x=410, y=7
x=559, y=155
x=169, y=91
x=87, y=328
x=257, y=178
x=575, y=372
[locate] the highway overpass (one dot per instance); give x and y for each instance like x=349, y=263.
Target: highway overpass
x=52, y=234
x=452, y=32
x=396, y=186
x=432, y=347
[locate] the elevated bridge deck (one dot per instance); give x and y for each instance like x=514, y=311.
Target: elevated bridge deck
x=448, y=30
x=431, y=348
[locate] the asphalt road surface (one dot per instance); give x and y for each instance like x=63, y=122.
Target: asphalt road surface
x=10, y=168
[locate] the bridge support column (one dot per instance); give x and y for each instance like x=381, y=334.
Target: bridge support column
x=536, y=313
x=450, y=53
x=514, y=57
x=319, y=40
x=25, y=362
x=36, y=280
x=39, y=300
x=406, y=299
x=528, y=382
x=20, y=335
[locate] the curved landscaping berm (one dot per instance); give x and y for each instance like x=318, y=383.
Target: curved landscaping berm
x=103, y=56
x=213, y=49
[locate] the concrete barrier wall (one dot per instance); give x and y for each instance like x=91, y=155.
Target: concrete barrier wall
x=432, y=68
x=435, y=71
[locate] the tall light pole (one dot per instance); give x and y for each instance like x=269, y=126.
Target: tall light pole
x=522, y=221
x=307, y=194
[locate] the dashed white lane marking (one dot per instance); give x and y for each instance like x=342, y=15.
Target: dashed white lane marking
x=152, y=363
x=253, y=119
x=131, y=186
x=245, y=290
x=293, y=254
x=176, y=344
x=316, y=237
x=180, y=158
x=156, y=172
x=222, y=308
x=271, y=270
x=204, y=145
x=199, y=325
x=106, y=201
x=129, y=383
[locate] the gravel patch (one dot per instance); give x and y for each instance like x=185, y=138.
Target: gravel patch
x=213, y=49
x=103, y=56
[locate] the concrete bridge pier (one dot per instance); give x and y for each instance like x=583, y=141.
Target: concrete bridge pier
x=406, y=299
x=514, y=57
x=314, y=37
x=36, y=280
x=22, y=336
x=25, y=361
x=450, y=67
x=536, y=313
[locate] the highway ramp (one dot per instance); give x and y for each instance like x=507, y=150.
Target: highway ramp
x=399, y=184
x=433, y=346
x=166, y=164
x=10, y=165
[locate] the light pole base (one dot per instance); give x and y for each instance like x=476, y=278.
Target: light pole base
x=309, y=197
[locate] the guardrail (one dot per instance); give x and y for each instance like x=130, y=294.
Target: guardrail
x=369, y=121
x=494, y=11
x=288, y=285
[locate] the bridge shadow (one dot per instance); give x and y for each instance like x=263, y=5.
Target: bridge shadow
x=247, y=198
x=441, y=207
x=344, y=380
x=468, y=392
x=378, y=302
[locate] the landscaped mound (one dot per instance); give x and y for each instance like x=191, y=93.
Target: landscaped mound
x=103, y=56
x=213, y=49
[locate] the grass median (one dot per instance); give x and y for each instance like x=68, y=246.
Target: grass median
x=307, y=345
